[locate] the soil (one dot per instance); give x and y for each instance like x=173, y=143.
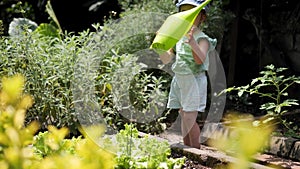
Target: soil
x=189, y=164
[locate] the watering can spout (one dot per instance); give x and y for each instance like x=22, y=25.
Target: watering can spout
x=174, y=28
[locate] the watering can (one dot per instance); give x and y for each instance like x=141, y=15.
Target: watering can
x=174, y=28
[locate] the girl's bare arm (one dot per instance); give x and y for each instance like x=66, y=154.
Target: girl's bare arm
x=167, y=56
x=200, y=49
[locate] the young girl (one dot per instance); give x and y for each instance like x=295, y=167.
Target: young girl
x=189, y=85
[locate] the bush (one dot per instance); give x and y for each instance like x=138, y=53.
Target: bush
x=135, y=152
x=273, y=84
x=52, y=62
x=47, y=64
x=19, y=149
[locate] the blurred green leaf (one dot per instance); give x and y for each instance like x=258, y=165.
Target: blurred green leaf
x=51, y=13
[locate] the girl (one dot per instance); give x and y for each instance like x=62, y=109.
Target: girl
x=189, y=85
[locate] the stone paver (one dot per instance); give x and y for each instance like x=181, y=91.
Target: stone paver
x=210, y=157
x=295, y=153
x=285, y=147
x=281, y=146
x=276, y=161
x=282, y=153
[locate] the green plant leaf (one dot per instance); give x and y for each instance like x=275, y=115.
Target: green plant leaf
x=289, y=102
x=51, y=13
x=268, y=106
x=278, y=109
x=47, y=30
x=281, y=69
x=270, y=67
x=254, y=81
x=297, y=81
x=268, y=120
x=240, y=93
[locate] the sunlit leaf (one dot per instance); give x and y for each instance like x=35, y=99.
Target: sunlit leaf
x=254, y=81
x=12, y=89
x=51, y=13
x=281, y=69
x=47, y=30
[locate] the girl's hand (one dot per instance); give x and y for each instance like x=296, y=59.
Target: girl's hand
x=190, y=37
x=199, y=50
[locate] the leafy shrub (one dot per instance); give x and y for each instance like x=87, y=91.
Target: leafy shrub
x=46, y=57
x=123, y=75
x=1, y=27
x=246, y=139
x=161, y=6
x=145, y=152
x=47, y=64
x=52, y=142
x=273, y=85
x=143, y=91
x=14, y=138
x=19, y=149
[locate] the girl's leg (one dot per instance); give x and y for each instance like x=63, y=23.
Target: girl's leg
x=194, y=136
x=184, y=130
x=190, y=129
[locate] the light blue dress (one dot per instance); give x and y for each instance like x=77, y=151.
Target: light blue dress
x=189, y=85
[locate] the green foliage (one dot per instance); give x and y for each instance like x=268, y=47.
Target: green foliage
x=45, y=29
x=23, y=8
x=19, y=149
x=52, y=15
x=122, y=76
x=145, y=87
x=122, y=79
x=47, y=63
x=161, y=6
x=1, y=27
x=11, y=9
x=131, y=152
x=218, y=19
x=245, y=141
x=145, y=152
x=51, y=150
x=52, y=142
x=273, y=85
x=14, y=138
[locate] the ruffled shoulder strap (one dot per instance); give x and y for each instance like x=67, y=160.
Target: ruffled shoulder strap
x=212, y=42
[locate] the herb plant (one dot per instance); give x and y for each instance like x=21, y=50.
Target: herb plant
x=20, y=150
x=273, y=85
x=145, y=152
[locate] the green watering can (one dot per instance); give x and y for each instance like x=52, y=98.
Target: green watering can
x=174, y=28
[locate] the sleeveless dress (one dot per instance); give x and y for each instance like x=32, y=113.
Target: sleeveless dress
x=189, y=85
